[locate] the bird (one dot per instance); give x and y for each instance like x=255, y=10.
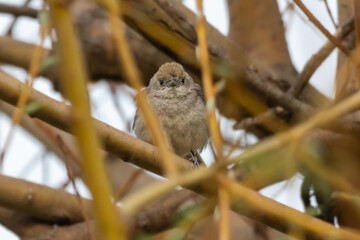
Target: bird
x=180, y=105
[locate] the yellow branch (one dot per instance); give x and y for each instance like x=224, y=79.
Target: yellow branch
x=32, y=73
x=134, y=202
x=224, y=205
x=74, y=83
x=207, y=82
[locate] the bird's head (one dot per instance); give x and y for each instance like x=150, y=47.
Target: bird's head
x=171, y=77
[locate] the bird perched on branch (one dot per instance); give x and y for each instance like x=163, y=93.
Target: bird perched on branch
x=180, y=105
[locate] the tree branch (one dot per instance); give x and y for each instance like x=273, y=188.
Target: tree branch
x=29, y=228
x=41, y=202
x=317, y=59
x=18, y=11
x=316, y=22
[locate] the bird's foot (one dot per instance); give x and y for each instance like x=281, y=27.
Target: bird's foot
x=195, y=161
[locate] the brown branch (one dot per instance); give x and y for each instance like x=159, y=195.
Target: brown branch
x=317, y=23
x=157, y=216
x=29, y=228
x=317, y=59
x=19, y=54
x=268, y=42
x=330, y=13
x=12, y=24
x=278, y=97
x=18, y=11
x=60, y=207
x=40, y=201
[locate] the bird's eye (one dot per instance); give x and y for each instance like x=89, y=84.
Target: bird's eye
x=161, y=82
x=182, y=80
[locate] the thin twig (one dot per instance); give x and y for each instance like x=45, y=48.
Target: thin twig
x=233, y=148
x=32, y=72
x=330, y=13
x=71, y=177
x=128, y=184
x=317, y=59
x=270, y=119
x=208, y=82
x=317, y=23
x=119, y=109
x=53, y=137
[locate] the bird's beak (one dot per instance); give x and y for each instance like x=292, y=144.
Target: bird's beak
x=172, y=83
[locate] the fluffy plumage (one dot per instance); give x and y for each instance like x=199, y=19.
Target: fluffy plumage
x=180, y=106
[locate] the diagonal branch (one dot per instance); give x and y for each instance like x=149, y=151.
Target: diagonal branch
x=317, y=23
x=317, y=59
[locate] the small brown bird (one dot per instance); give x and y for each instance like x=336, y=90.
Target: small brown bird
x=180, y=105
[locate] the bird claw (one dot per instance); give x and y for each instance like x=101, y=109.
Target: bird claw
x=194, y=159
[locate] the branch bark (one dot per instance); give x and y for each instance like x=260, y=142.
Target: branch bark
x=268, y=42
x=41, y=202
x=18, y=11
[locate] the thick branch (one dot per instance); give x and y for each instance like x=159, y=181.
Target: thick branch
x=40, y=201
x=28, y=228
x=268, y=42
x=57, y=206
